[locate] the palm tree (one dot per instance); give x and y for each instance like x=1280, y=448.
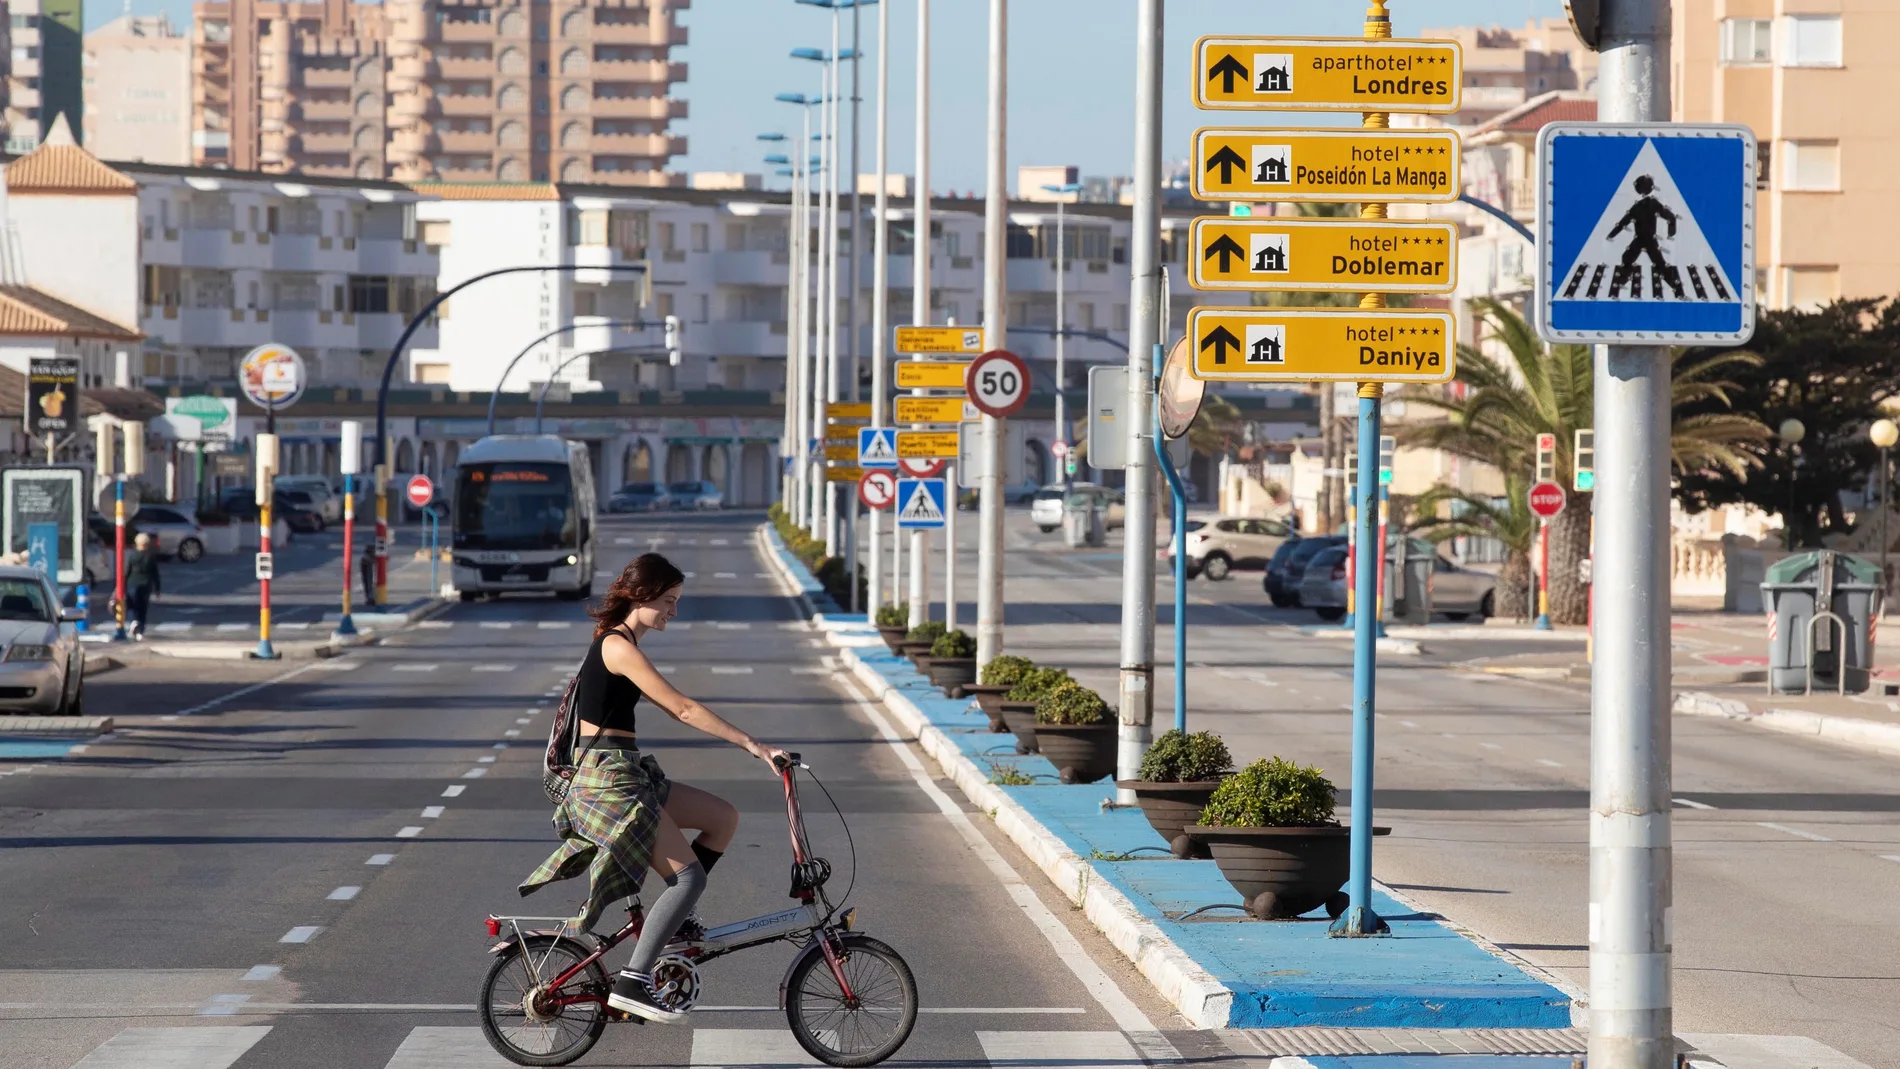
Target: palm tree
x=1550, y=389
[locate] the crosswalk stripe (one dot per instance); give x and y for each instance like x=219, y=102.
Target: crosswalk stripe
x=553, y=625
x=1071, y=1050
x=234, y=627
x=436, y=625
x=498, y=625
x=446, y=1048
x=747, y=1048
x=176, y=625
x=174, y=1048
x=732, y=670
x=494, y=668
x=414, y=667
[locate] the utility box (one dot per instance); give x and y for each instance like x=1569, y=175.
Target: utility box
x=1409, y=580
x=1821, y=609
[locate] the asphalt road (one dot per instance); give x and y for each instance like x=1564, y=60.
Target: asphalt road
x=1787, y=851
x=288, y=865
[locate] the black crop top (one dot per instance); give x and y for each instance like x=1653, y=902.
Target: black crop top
x=602, y=698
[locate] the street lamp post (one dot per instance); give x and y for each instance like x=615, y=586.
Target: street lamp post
x=494, y=396
x=1791, y=431
x=801, y=294
x=826, y=354
x=1063, y=191
x=788, y=434
x=880, y=293
x=541, y=395
x=920, y=315
x=989, y=480
x=1884, y=433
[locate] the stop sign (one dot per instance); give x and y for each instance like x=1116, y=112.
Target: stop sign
x=420, y=491
x=1547, y=499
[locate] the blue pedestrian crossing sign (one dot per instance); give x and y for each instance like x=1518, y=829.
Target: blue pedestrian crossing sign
x=1646, y=233
x=920, y=503
x=877, y=447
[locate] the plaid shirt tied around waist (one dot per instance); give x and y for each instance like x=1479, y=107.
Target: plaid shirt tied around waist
x=606, y=826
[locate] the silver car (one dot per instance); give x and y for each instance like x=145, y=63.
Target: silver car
x=694, y=496
x=175, y=528
x=1461, y=592
x=326, y=502
x=42, y=668
x=1323, y=587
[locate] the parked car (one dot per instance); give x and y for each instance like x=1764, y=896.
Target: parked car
x=328, y=502
x=1217, y=545
x=1045, y=507
x=693, y=496
x=639, y=497
x=43, y=669
x=1323, y=583
x=1287, y=568
x=1047, y=504
x=298, y=509
x=175, y=528
x=1460, y=592
x=296, y=515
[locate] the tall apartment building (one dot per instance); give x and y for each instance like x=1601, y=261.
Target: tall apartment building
x=429, y=90
x=1810, y=79
x=138, y=91
x=1507, y=67
x=44, y=72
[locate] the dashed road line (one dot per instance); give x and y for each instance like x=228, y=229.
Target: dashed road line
x=262, y=972
x=343, y=894
x=303, y=933
x=512, y=732
x=414, y=667
x=430, y=812
x=1491, y=746
x=380, y=859
x=497, y=625
x=436, y=625
x=725, y=575
x=409, y=832
x=554, y=625
x=732, y=670
x=494, y=668
x=1548, y=763
x=1691, y=804
x=454, y=791
x=485, y=760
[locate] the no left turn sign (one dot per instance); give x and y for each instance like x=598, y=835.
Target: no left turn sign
x=878, y=488
x=921, y=467
x=997, y=383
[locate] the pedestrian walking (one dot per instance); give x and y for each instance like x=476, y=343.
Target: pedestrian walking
x=621, y=814
x=141, y=582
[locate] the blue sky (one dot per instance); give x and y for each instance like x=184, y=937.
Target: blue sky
x=1071, y=90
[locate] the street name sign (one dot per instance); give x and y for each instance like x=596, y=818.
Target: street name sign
x=1372, y=255
x=1327, y=74
x=844, y=474
x=847, y=411
x=998, y=383
x=930, y=374
x=967, y=341
x=934, y=410
x=1419, y=166
x=1646, y=233
x=1319, y=344
x=877, y=489
x=913, y=444
x=920, y=503
x=877, y=447
x=842, y=452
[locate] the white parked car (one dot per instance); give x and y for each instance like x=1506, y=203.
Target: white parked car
x=42, y=670
x=1045, y=508
x=324, y=500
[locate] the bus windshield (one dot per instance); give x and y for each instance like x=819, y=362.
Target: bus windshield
x=514, y=506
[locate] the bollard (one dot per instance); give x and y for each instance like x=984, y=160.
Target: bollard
x=82, y=600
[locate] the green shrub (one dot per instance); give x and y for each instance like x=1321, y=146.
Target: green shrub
x=1005, y=671
x=1272, y=793
x=1071, y=703
x=1178, y=758
x=928, y=631
x=893, y=615
x=1035, y=682
x=953, y=644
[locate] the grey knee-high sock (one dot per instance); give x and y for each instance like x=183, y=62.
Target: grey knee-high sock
x=668, y=912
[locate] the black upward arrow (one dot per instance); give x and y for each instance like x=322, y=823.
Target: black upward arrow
x=1226, y=248
x=1226, y=159
x=1222, y=339
x=1227, y=70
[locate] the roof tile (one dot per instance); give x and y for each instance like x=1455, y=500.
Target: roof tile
x=27, y=311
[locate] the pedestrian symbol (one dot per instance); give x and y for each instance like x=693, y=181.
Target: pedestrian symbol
x=922, y=503
x=1647, y=233
x=877, y=447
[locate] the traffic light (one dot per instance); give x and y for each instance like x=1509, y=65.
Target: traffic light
x=1388, y=445
x=1546, y=458
x=673, y=340
x=1586, y=462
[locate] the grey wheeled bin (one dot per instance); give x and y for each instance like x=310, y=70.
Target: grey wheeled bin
x=1409, y=580
x=1823, y=606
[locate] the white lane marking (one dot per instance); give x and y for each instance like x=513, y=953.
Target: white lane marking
x=438, y=1047
x=1890, y=857
x=414, y=667
x=732, y=670
x=262, y=972
x=561, y=668
x=211, y=1047
x=1794, y=831
x=1071, y=1050
x=1100, y=986
x=738, y=626
x=241, y=692
x=523, y=719
x=761, y=575
x=741, y=1048
x=805, y=671
x=1690, y=804
x=497, y=625
x=499, y=746
x=494, y=668
x=1447, y=735
x=484, y=760
x=725, y=575
x=679, y=625
x=336, y=665
x=223, y=1005
x=234, y=627
x=688, y=542
x=691, y=575
x=1491, y=746
x=1408, y=723
x=717, y=542
x=380, y=859
x=454, y=791
x=512, y=732
x=343, y=894
x=303, y=933
x=1769, y=1052
x=292, y=627
x=430, y=812
x=665, y=669
x=1548, y=763
x=624, y=541
x=181, y=625
x=436, y=625
x=409, y=832
x=554, y=625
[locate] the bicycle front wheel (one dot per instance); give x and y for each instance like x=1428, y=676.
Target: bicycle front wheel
x=857, y=1029
x=517, y=1013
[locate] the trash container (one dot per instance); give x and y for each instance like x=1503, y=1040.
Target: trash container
x=1082, y=521
x=1821, y=607
x=1409, y=580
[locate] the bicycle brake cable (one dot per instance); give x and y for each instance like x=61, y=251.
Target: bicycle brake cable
x=850, y=842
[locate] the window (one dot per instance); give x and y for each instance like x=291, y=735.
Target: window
x=702, y=237
x=1811, y=41
x=669, y=237
x=1809, y=288
x=735, y=237
x=1811, y=165
x=369, y=293
x=1746, y=41
x=701, y=309
x=584, y=302
x=665, y=304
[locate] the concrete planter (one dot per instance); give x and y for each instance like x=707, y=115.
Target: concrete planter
x=952, y=674
x=1020, y=718
x=221, y=539
x=1082, y=753
x=893, y=636
x=989, y=696
x=1283, y=872
x=1172, y=807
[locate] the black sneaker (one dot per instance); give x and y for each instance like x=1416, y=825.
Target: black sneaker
x=633, y=994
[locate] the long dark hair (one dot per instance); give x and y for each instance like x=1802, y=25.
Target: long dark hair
x=645, y=578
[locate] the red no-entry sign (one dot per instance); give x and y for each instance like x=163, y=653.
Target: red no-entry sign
x=420, y=491
x=1547, y=499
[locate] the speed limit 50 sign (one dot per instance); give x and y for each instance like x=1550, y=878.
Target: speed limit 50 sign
x=997, y=383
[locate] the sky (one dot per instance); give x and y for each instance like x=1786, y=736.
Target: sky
x=1070, y=73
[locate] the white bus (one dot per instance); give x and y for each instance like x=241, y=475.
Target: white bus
x=524, y=517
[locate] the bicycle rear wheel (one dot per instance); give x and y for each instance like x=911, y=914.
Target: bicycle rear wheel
x=860, y=1030
x=514, y=1016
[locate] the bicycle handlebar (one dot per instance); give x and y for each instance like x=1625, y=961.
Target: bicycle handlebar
x=786, y=762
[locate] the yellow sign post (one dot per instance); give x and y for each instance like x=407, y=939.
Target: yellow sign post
x=1270, y=253
x=915, y=445
x=935, y=410
x=929, y=375
x=962, y=340
x=1327, y=74
x=848, y=412
x=1322, y=344
x=1419, y=166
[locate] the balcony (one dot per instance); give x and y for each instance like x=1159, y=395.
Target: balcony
x=327, y=78
x=231, y=327
x=752, y=268
x=323, y=143
x=735, y=339
x=391, y=256
x=630, y=107
x=460, y=67
x=464, y=104
x=641, y=71
x=455, y=30
x=650, y=146
x=319, y=110
x=462, y=142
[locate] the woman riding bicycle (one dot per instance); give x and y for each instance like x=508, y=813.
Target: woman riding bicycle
x=622, y=815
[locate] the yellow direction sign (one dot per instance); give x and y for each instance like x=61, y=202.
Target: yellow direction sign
x=1327, y=74
x=929, y=375
x=841, y=452
x=935, y=410
x=965, y=340
x=1416, y=165
x=843, y=475
x=1376, y=255
x=926, y=444
x=843, y=411
x=1313, y=344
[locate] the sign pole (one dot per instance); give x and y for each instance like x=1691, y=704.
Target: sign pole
x=951, y=493
x=1631, y=878
x=880, y=293
x=266, y=473
x=920, y=303
x=350, y=458
x=989, y=562
x=1543, y=576
x=1360, y=919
